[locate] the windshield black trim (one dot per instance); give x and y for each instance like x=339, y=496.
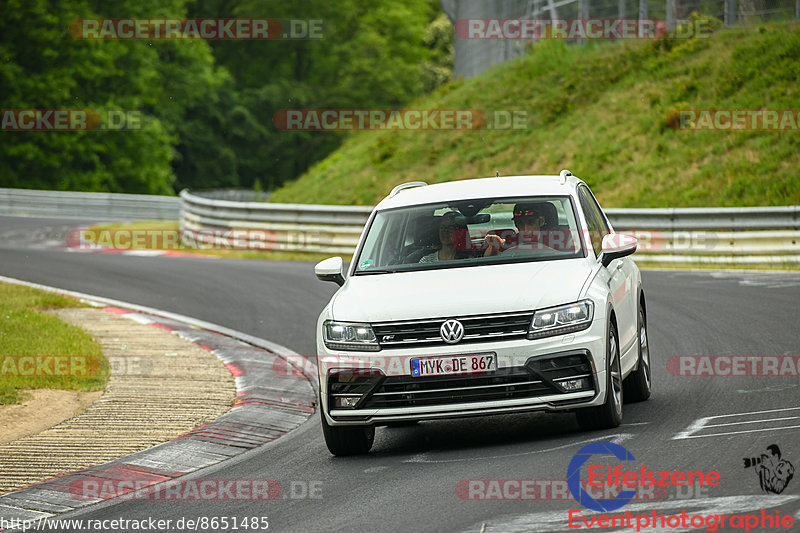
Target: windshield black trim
x=362, y=241
x=424, y=267
x=419, y=267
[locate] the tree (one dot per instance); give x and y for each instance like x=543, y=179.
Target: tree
x=44, y=67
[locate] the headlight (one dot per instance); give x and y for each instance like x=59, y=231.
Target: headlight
x=348, y=336
x=562, y=319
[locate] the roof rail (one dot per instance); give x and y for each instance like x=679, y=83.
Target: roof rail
x=408, y=185
x=564, y=174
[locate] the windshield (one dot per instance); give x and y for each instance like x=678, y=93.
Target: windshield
x=469, y=233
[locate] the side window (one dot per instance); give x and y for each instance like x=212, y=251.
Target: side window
x=393, y=238
x=597, y=211
x=594, y=220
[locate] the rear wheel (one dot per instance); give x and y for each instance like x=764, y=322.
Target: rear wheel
x=608, y=415
x=637, y=386
x=347, y=440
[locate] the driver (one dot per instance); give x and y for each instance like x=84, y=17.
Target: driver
x=529, y=219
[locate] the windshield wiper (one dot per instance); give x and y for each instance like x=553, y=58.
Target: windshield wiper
x=376, y=271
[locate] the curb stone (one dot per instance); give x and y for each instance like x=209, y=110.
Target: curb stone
x=268, y=405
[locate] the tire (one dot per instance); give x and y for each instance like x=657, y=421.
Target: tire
x=347, y=440
x=638, y=385
x=608, y=415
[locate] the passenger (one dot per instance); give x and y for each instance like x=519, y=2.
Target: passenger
x=529, y=219
x=448, y=226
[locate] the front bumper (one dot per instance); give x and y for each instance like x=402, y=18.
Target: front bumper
x=531, y=375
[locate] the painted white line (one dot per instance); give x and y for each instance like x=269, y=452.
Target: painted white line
x=702, y=423
x=752, y=422
x=758, y=412
x=737, y=432
x=136, y=317
x=143, y=253
x=694, y=427
x=770, y=388
x=617, y=438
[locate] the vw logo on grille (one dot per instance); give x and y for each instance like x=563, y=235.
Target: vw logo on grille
x=452, y=331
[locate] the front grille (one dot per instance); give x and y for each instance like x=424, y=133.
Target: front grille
x=477, y=328
x=504, y=384
x=541, y=376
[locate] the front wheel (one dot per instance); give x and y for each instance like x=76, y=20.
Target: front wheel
x=608, y=415
x=347, y=440
x=638, y=384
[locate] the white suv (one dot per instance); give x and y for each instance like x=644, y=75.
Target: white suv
x=480, y=297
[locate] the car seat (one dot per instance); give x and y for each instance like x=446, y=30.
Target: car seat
x=425, y=238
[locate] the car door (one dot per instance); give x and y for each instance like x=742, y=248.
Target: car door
x=620, y=272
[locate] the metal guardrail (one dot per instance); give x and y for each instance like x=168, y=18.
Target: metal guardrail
x=108, y=206
x=235, y=195
x=752, y=235
x=674, y=235
x=707, y=218
x=285, y=227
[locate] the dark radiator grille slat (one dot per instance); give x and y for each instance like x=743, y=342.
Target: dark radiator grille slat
x=476, y=329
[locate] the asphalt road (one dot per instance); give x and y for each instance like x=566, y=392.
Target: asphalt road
x=409, y=481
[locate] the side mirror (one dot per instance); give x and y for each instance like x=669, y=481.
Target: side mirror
x=616, y=245
x=330, y=270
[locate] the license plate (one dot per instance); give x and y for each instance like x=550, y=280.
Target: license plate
x=453, y=365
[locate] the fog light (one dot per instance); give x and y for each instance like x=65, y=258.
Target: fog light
x=347, y=402
x=575, y=384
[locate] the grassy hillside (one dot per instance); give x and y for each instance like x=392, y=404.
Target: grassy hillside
x=600, y=110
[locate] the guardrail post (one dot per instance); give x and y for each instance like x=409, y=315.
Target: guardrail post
x=797, y=9
x=670, y=16
x=583, y=14
x=730, y=12
x=643, y=11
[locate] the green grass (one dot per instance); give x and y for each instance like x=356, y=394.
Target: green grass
x=26, y=331
x=600, y=110
x=107, y=234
